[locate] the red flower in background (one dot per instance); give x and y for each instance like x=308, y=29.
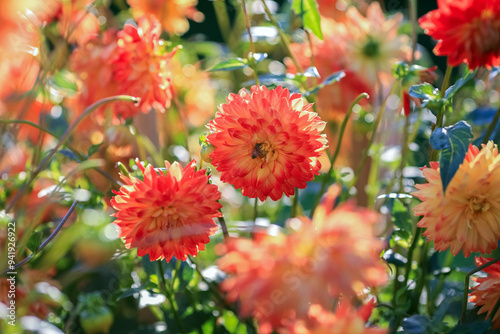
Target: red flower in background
x=267, y=142
x=487, y=293
x=276, y=278
x=141, y=64
x=168, y=213
x=172, y=14
x=467, y=31
x=346, y=319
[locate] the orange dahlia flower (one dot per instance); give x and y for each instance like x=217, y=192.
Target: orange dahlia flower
x=168, y=213
x=467, y=31
x=141, y=64
x=346, y=319
x=467, y=216
x=172, y=14
x=266, y=142
x=276, y=278
x=487, y=293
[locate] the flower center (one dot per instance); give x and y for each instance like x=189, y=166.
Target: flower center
x=477, y=204
x=263, y=150
x=371, y=48
x=489, y=36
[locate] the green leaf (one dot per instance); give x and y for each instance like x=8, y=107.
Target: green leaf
x=229, y=65
x=34, y=241
x=308, y=10
x=454, y=142
x=70, y=155
x=450, y=92
x=424, y=91
x=62, y=82
x=93, y=149
x=335, y=77
x=401, y=217
x=130, y=292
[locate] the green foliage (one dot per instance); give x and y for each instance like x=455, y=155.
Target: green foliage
x=308, y=10
x=453, y=141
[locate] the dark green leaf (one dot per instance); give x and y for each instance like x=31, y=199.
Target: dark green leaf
x=308, y=10
x=230, y=65
x=479, y=327
x=416, y=324
x=401, y=217
x=186, y=274
x=130, y=292
x=69, y=154
x=93, y=149
x=450, y=92
x=34, y=241
x=454, y=142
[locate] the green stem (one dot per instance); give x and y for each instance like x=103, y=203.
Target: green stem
x=433, y=155
x=372, y=138
x=439, y=287
x=223, y=225
x=69, y=147
x=295, y=204
x=222, y=19
x=251, y=59
x=173, y=305
x=412, y=6
x=421, y=281
x=216, y=293
x=491, y=127
x=46, y=242
x=255, y=210
x=283, y=37
x=62, y=141
x=466, y=286
x=328, y=176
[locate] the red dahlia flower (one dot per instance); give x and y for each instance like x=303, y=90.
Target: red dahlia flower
x=169, y=213
x=141, y=64
x=266, y=142
x=467, y=31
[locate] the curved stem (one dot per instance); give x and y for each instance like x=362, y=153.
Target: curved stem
x=46, y=242
x=73, y=150
x=252, y=46
x=328, y=176
x=372, y=138
x=169, y=295
x=62, y=140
